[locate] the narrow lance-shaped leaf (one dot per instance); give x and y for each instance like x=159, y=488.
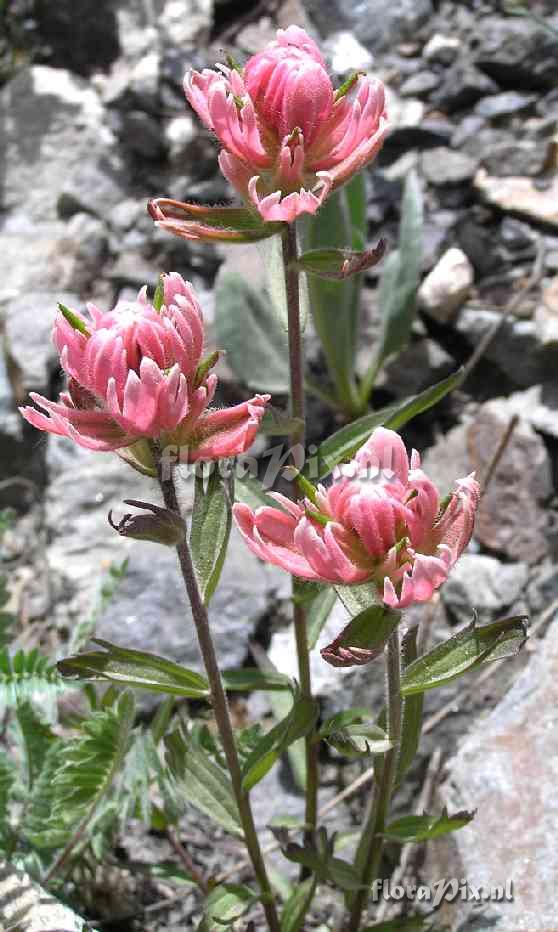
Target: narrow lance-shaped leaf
x=298, y=723
x=421, y=828
x=298, y=904
x=465, y=651
x=210, y=530
x=344, y=443
x=411, y=723
x=227, y=903
x=400, y=281
x=135, y=668
x=318, y=613
x=335, y=304
x=249, y=679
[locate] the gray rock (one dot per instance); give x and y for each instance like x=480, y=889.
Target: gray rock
x=538, y=406
x=54, y=137
x=517, y=53
x=419, y=85
x=442, y=49
x=346, y=54
x=423, y=363
x=522, y=157
x=483, y=584
x=377, y=26
x=463, y=86
x=141, y=134
x=150, y=611
x=506, y=770
x=443, y=166
x=516, y=349
x=25, y=902
x=506, y=104
x=512, y=516
x=81, y=36
x=29, y=320
x=447, y=287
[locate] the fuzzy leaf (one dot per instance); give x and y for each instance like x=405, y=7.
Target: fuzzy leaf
x=202, y=782
x=210, y=531
x=466, y=650
x=317, y=614
x=250, y=333
x=135, y=668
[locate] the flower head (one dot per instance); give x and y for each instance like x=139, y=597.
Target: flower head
x=136, y=372
x=381, y=521
x=288, y=138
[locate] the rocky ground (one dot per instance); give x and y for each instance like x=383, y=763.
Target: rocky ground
x=93, y=122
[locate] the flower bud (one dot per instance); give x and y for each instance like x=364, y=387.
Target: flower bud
x=161, y=527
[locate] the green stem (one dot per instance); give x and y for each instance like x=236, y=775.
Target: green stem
x=220, y=705
x=369, y=853
x=296, y=369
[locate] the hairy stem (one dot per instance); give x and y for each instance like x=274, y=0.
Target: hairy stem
x=369, y=853
x=220, y=705
x=298, y=438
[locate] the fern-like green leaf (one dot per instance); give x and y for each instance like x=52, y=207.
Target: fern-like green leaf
x=27, y=676
x=37, y=738
x=77, y=774
x=7, y=780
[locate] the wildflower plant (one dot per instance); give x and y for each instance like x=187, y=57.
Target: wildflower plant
x=366, y=524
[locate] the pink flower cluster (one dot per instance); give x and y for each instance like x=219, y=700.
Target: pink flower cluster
x=381, y=521
x=288, y=139
x=137, y=372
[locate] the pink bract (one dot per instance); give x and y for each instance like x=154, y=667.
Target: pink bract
x=288, y=139
x=133, y=373
x=381, y=521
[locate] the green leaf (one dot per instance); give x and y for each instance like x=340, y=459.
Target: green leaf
x=353, y=734
x=271, y=253
x=248, y=679
x=37, y=739
x=210, y=531
x=77, y=774
x=202, y=782
x=336, y=304
x=421, y=828
x=363, y=639
x=344, y=443
x=250, y=491
x=281, y=703
x=27, y=676
x=357, y=599
x=397, y=294
x=466, y=650
x=298, y=904
x=8, y=777
x=135, y=668
x=298, y=723
x=411, y=723
x=318, y=613
x=248, y=330
x=227, y=903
